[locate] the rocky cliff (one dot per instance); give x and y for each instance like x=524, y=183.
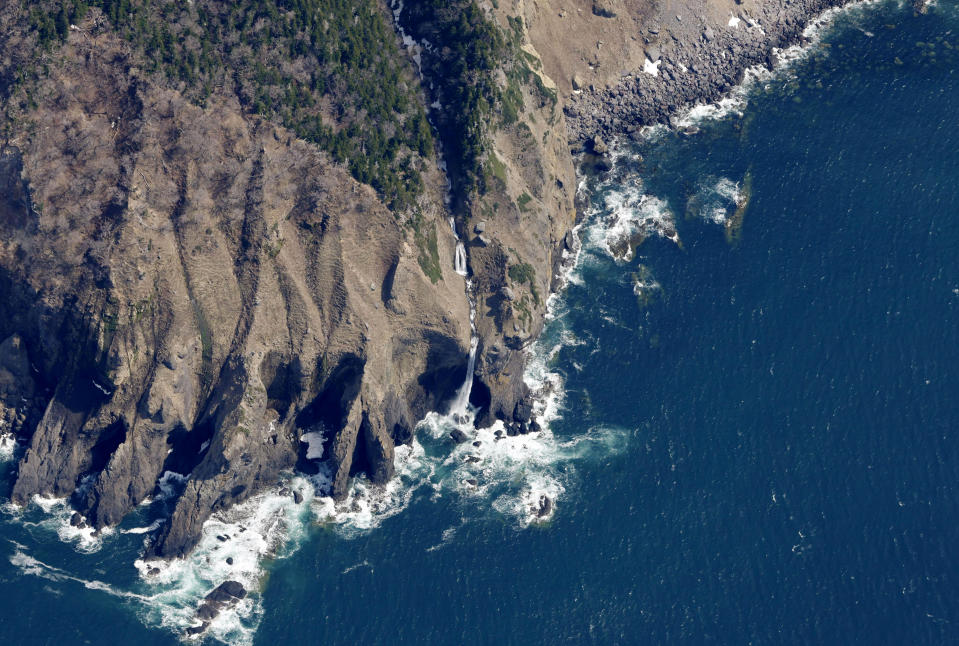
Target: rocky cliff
x=196, y=288
x=207, y=252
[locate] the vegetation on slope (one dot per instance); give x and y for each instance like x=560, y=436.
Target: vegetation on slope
x=465, y=55
x=330, y=70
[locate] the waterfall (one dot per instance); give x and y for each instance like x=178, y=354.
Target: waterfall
x=459, y=263
x=460, y=405
x=459, y=409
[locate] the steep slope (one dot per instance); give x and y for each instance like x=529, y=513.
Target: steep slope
x=198, y=287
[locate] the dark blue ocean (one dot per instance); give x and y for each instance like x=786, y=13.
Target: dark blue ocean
x=754, y=416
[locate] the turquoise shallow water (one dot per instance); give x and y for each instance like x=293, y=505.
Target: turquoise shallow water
x=757, y=441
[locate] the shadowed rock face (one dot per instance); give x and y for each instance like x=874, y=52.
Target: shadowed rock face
x=195, y=287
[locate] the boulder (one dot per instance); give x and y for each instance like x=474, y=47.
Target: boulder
x=599, y=146
x=227, y=592
x=459, y=436
x=603, y=9
x=523, y=410
x=480, y=226
x=545, y=507
x=708, y=34
x=297, y=497
x=603, y=164
x=578, y=83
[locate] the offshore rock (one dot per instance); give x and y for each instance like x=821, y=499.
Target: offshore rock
x=224, y=596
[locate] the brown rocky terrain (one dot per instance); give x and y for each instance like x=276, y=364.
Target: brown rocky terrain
x=197, y=288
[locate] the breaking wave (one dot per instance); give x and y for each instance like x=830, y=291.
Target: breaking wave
x=716, y=200
x=8, y=447
x=627, y=217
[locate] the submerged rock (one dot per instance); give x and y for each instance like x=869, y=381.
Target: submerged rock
x=544, y=507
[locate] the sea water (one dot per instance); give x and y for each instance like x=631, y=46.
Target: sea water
x=751, y=387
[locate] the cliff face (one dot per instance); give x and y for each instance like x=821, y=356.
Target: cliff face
x=197, y=288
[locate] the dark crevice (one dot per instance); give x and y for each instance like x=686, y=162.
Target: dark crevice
x=332, y=405
x=480, y=395
x=283, y=379
x=185, y=445
x=446, y=364
x=361, y=452
x=108, y=440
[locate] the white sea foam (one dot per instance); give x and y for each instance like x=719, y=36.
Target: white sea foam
x=367, y=505
x=357, y=566
x=34, y=567
x=152, y=527
x=717, y=199
x=170, y=484
x=629, y=215
x=784, y=61
x=645, y=284
x=58, y=515
x=233, y=546
x=8, y=447
x=314, y=444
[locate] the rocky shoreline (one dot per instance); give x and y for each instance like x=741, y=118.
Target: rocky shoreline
x=688, y=62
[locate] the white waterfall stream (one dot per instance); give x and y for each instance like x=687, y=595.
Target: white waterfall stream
x=459, y=262
x=459, y=408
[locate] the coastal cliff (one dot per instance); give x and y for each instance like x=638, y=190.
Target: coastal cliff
x=227, y=236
